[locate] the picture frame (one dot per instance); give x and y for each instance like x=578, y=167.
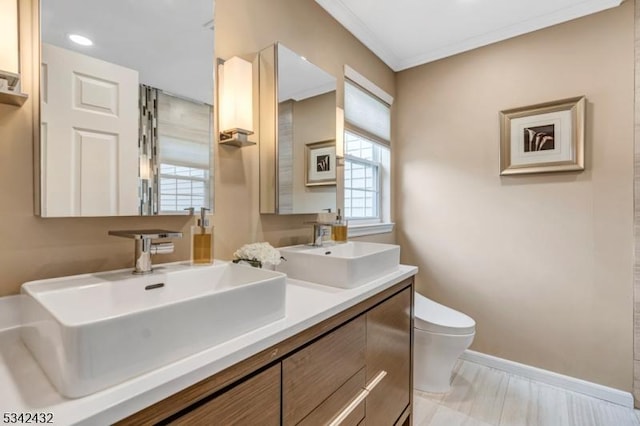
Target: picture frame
x=543, y=138
x=320, y=163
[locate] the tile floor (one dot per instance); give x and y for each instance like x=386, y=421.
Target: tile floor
x=482, y=396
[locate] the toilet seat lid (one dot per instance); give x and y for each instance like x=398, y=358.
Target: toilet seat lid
x=434, y=317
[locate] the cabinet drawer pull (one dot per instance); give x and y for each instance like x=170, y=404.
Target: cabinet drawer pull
x=374, y=382
x=361, y=396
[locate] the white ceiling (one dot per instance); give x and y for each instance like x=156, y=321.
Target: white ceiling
x=299, y=79
x=407, y=33
x=170, y=42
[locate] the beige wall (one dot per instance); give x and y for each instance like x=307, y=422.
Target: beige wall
x=542, y=262
x=33, y=248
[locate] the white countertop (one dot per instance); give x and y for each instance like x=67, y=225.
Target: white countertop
x=24, y=387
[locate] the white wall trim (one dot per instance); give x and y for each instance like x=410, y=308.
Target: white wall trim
x=343, y=14
x=510, y=31
x=365, y=83
x=595, y=390
x=349, y=19
x=369, y=229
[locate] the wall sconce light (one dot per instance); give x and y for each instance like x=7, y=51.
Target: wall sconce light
x=9, y=36
x=9, y=55
x=235, y=101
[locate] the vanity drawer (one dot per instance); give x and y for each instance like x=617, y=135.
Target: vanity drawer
x=337, y=402
x=255, y=401
x=314, y=373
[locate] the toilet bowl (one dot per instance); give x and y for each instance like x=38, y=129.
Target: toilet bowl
x=441, y=334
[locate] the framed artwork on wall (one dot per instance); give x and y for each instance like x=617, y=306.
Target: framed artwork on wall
x=543, y=138
x=320, y=163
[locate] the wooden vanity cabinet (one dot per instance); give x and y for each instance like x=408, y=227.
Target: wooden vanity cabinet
x=340, y=366
x=312, y=377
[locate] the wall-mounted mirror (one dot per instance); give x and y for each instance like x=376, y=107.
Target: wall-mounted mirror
x=297, y=134
x=126, y=98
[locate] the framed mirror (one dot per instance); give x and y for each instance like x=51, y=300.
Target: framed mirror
x=126, y=107
x=297, y=134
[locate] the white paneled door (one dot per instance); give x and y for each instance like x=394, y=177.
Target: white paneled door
x=89, y=148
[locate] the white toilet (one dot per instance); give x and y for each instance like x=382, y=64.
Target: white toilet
x=441, y=334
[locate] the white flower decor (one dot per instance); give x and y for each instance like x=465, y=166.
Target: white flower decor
x=257, y=254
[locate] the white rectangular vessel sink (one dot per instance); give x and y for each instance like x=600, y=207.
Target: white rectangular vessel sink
x=346, y=265
x=89, y=332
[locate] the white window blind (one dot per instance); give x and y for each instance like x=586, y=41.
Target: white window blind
x=366, y=114
x=183, y=152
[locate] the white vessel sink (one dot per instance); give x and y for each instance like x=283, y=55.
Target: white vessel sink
x=346, y=265
x=89, y=332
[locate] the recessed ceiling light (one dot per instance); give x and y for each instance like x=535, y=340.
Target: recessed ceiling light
x=81, y=40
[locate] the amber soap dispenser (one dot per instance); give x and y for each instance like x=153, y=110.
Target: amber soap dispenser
x=339, y=229
x=202, y=240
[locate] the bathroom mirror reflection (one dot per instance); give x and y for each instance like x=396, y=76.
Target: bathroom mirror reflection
x=126, y=99
x=297, y=134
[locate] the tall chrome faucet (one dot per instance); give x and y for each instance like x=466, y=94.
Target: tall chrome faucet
x=144, y=248
x=319, y=229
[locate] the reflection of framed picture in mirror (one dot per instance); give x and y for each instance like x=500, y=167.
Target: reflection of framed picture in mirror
x=320, y=163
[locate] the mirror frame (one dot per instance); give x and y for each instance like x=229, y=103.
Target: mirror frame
x=268, y=146
x=36, y=66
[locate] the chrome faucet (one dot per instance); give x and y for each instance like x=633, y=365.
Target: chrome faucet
x=319, y=228
x=318, y=232
x=144, y=248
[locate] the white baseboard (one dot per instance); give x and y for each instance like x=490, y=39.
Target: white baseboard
x=595, y=390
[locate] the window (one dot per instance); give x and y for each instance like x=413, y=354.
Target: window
x=183, y=187
x=184, y=175
x=366, y=156
x=361, y=178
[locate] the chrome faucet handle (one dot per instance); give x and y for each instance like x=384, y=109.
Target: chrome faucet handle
x=161, y=248
x=317, y=222
x=144, y=248
x=140, y=234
